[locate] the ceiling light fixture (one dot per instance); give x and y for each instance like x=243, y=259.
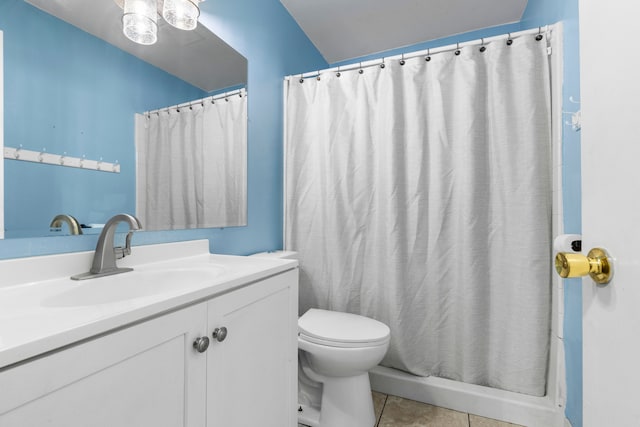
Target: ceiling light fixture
x=140, y=17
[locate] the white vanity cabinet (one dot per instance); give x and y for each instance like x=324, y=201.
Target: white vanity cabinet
x=150, y=374
x=252, y=372
x=144, y=375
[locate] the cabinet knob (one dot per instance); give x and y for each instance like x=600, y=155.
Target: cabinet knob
x=201, y=344
x=220, y=334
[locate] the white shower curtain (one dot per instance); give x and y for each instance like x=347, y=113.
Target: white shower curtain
x=191, y=165
x=420, y=195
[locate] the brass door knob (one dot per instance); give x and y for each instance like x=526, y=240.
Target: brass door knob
x=596, y=264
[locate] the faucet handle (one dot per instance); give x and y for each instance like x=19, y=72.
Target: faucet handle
x=121, y=252
x=127, y=243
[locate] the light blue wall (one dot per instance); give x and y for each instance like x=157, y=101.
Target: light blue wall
x=572, y=205
x=262, y=31
x=539, y=13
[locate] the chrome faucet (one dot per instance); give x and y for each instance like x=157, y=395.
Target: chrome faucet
x=104, y=259
x=74, y=225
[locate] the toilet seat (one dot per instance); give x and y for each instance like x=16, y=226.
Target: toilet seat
x=345, y=330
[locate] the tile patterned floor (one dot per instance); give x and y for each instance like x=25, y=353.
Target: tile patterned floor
x=392, y=411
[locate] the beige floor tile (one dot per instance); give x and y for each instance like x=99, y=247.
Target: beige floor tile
x=378, y=404
x=476, y=421
x=400, y=412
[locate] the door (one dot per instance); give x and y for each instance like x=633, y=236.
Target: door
x=251, y=369
x=610, y=95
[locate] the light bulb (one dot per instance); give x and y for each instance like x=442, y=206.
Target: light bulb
x=182, y=14
x=139, y=22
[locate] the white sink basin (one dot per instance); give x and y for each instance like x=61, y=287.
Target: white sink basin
x=132, y=285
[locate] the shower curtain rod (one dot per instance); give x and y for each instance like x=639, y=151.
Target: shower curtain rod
x=425, y=52
x=240, y=92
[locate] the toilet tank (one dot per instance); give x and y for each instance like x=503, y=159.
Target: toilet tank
x=278, y=254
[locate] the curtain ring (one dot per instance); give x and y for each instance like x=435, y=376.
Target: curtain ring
x=509, y=40
x=338, y=74
x=428, y=58
x=402, y=61
x=457, y=52
x=301, y=79
x=360, y=71
x=539, y=36
x=318, y=76
x=382, y=65
x=483, y=47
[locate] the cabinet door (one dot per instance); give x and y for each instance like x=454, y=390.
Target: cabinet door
x=148, y=374
x=252, y=374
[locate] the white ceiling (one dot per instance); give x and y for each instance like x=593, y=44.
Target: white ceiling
x=198, y=57
x=346, y=29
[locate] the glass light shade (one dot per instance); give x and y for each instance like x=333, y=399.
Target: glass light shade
x=182, y=14
x=139, y=22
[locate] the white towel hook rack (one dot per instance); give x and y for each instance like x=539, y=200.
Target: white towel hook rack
x=20, y=153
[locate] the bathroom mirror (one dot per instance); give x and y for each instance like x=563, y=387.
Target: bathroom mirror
x=73, y=85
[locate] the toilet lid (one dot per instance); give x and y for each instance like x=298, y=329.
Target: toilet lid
x=336, y=327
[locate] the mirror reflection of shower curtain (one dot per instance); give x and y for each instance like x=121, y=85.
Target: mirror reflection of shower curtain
x=191, y=166
x=420, y=195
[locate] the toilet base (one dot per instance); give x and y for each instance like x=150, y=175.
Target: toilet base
x=309, y=416
x=346, y=402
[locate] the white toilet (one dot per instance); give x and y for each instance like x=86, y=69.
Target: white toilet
x=336, y=352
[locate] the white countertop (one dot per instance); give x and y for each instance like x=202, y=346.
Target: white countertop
x=35, y=317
